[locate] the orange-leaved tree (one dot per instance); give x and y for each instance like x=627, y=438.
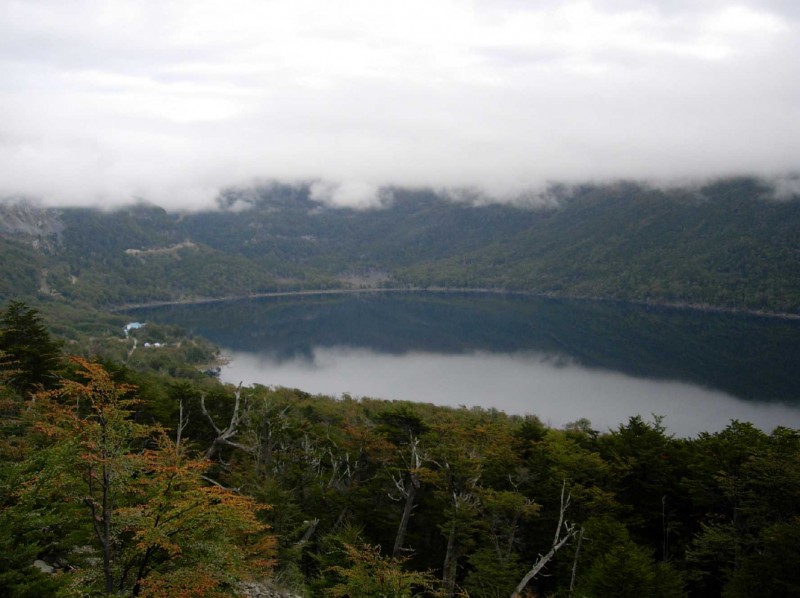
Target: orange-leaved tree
x=144, y=520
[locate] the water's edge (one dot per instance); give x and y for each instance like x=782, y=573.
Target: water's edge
x=455, y=290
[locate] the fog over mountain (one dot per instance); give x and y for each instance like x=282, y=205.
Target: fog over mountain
x=103, y=102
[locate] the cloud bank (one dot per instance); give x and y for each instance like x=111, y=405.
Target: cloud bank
x=104, y=101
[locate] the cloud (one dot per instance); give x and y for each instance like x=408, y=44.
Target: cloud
x=103, y=101
x=786, y=187
x=352, y=194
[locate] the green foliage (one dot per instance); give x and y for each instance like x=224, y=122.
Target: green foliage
x=647, y=467
x=120, y=503
x=490, y=576
x=339, y=473
x=772, y=570
x=612, y=564
x=748, y=485
x=726, y=244
x=368, y=574
x=19, y=269
x=29, y=356
x=494, y=568
x=625, y=571
x=27, y=530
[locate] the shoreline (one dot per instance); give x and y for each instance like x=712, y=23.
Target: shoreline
x=443, y=290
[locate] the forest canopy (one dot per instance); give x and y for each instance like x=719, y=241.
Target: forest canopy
x=123, y=481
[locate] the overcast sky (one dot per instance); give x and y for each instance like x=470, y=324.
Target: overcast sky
x=170, y=101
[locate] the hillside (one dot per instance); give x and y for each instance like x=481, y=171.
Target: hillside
x=726, y=244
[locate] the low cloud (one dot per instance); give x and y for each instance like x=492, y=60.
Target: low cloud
x=106, y=101
x=350, y=194
x=787, y=187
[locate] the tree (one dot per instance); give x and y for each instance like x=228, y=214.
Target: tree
x=404, y=428
x=457, y=478
x=26, y=531
x=612, y=564
x=495, y=568
x=772, y=571
x=625, y=571
x=560, y=538
x=134, y=494
x=647, y=465
x=371, y=575
x=224, y=435
x=184, y=535
x=749, y=485
x=29, y=357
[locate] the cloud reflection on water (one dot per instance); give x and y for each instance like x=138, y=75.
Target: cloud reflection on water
x=550, y=386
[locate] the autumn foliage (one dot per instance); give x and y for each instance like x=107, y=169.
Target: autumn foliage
x=140, y=516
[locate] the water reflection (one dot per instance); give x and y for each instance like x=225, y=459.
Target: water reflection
x=560, y=359
x=553, y=388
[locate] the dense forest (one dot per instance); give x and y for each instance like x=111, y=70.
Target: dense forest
x=728, y=244
x=122, y=475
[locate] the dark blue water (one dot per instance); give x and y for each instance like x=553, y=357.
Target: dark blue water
x=562, y=360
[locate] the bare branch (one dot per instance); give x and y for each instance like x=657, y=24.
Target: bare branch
x=224, y=436
x=182, y=423
x=575, y=563
x=569, y=531
x=218, y=485
x=207, y=414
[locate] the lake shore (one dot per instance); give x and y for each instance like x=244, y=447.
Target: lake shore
x=468, y=290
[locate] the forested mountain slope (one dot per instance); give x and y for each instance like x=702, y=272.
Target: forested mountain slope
x=726, y=244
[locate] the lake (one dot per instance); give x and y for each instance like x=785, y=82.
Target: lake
x=561, y=360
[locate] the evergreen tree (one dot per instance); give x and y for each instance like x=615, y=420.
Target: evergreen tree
x=29, y=355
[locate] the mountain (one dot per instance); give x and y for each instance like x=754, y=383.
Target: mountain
x=727, y=244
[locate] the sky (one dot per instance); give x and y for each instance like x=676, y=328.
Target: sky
x=108, y=101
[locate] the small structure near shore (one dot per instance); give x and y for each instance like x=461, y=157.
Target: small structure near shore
x=132, y=326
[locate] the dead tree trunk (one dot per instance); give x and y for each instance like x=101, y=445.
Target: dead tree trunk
x=407, y=509
x=183, y=421
x=575, y=563
x=408, y=489
x=449, y=568
x=560, y=538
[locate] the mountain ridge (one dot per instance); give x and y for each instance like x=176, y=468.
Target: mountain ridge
x=725, y=245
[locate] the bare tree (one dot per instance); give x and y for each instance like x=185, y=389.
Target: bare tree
x=183, y=421
x=272, y=429
x=407, y=488
x=561, y=537
x=224, y=435
x=575, y=563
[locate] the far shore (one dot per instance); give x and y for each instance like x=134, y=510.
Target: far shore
x=468, y=290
